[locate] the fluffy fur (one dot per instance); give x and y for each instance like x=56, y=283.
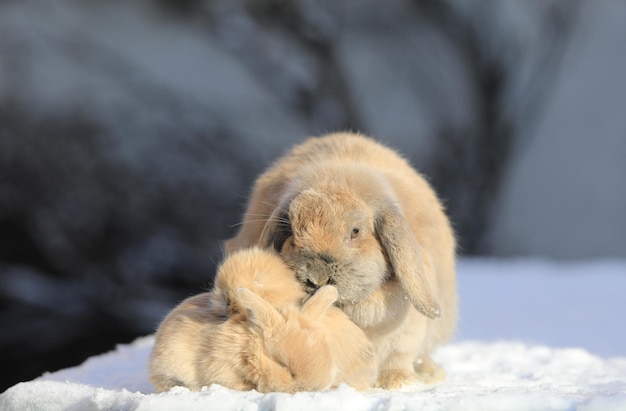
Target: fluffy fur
x=292, y=348
x=347, y=211
x=260, y=271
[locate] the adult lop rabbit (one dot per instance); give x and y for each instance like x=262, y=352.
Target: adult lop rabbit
x=345, y=210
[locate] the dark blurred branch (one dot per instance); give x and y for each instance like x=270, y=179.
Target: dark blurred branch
x=471, y=164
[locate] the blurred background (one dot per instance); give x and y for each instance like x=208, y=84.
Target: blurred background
x=131, y=132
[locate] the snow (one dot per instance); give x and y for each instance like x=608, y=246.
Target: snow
x=533, y=335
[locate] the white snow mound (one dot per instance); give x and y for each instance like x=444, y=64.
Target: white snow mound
x=481, y=376
x=554, y=305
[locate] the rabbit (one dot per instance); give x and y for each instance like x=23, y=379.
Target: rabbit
x=345, y=210
x=307, y=348
x=260, y=271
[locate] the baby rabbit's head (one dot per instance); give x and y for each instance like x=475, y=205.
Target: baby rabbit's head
x=295, y=353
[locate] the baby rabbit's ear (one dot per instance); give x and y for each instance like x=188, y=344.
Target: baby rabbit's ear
x=261, y=314
x=319, y=303
x=403, y=250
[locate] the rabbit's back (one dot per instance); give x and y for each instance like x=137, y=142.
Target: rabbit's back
x=174, y=355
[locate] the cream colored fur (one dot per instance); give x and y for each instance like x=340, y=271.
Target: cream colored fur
x=260, y=271
x=347, y=211
x=296, y=347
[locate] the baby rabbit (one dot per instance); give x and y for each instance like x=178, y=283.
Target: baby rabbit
x=292, y=348
x=347, y=211
x=295, y=349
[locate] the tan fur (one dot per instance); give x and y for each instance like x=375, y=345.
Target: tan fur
x=394, y=276
x=262, y=272
x=292, y=348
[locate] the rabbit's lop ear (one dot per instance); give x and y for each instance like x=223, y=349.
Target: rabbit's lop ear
x=319, y=303
x=407, y=261
x=261, y=314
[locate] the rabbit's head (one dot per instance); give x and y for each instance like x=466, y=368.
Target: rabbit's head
x=295, y=353
x=341, y=225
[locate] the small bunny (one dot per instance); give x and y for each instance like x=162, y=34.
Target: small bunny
x=347, y=211
x=269, y=342
x=308, y=348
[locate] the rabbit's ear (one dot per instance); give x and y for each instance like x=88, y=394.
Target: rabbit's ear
x=319, y=303
x=261, y=314
x=409, y=264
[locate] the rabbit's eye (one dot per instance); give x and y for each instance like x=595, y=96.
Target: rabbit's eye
x=310, y=286
x=286, y=368
x=355, y=233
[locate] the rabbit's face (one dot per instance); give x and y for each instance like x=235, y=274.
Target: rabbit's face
x=291, y=350
x=328, y=237
x=298, y=358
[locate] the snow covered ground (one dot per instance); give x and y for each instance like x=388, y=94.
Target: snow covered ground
x=533, y=335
